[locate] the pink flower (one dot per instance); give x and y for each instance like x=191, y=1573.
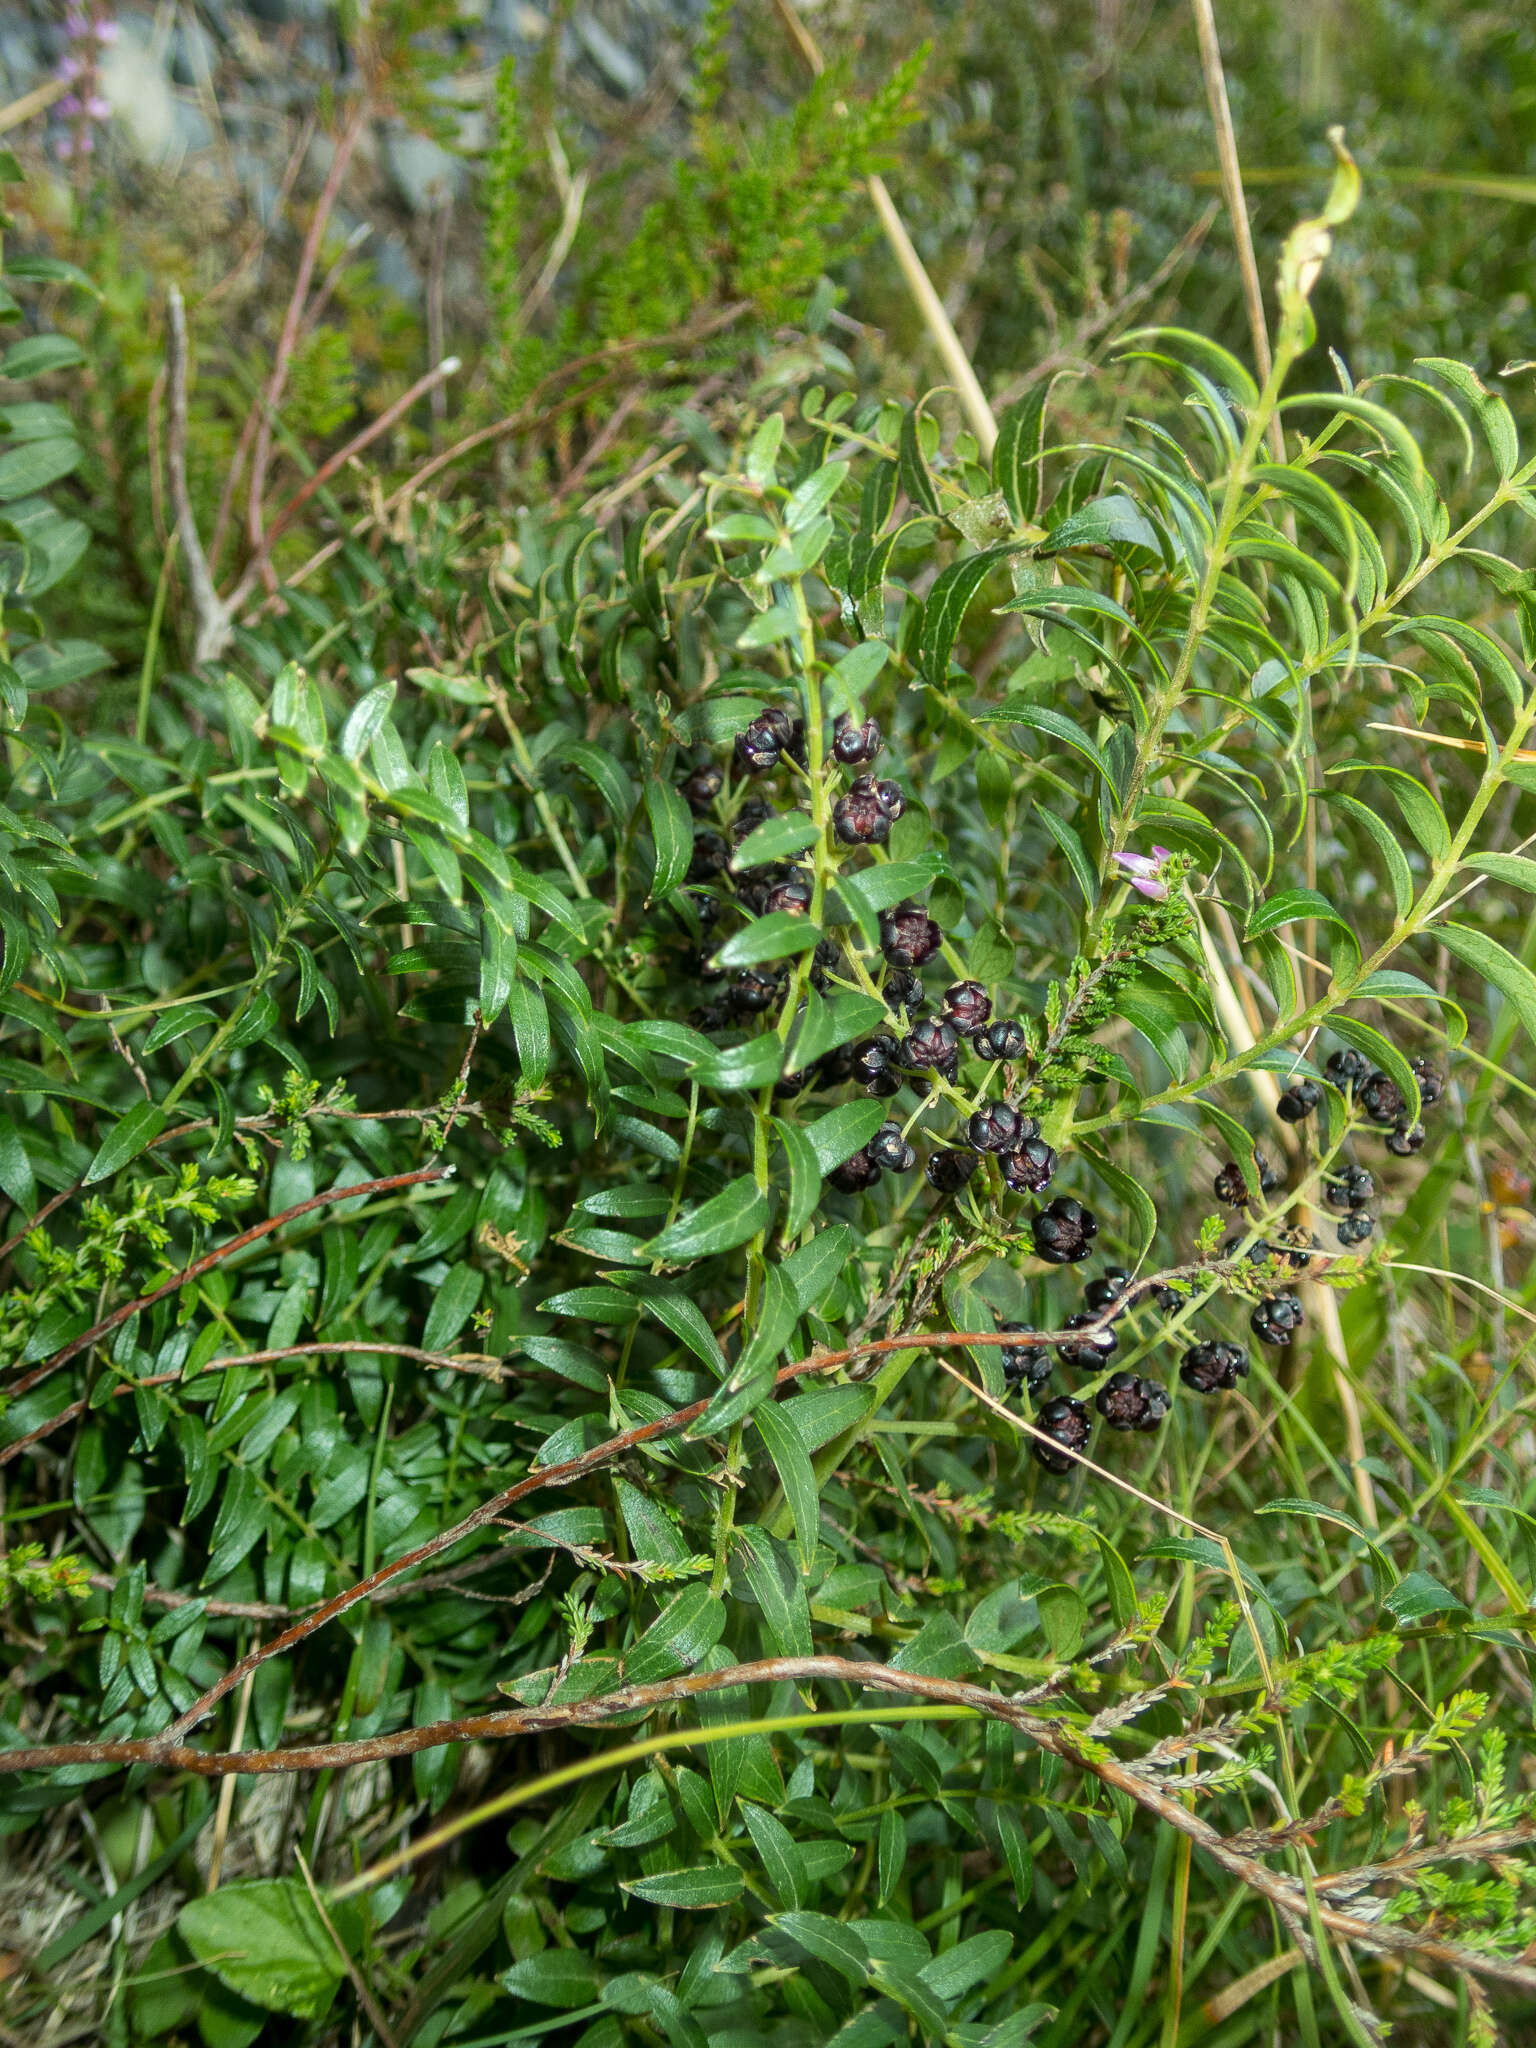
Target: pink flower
x=1144, y=872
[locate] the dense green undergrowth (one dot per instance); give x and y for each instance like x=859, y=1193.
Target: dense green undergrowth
x=528, y=1279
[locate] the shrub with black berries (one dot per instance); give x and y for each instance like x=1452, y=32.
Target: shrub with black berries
x=1127, y=1401
x=1064, y=1232
x=1065, y=1422
x=418, y=892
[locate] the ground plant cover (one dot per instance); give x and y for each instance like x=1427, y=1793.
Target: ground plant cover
x=765, y=1257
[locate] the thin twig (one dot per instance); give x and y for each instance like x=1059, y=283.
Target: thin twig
x=1237, y=205
x=1054, y=1735
x=214, y=624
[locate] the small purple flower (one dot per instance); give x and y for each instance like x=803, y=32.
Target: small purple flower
x=1144, y=872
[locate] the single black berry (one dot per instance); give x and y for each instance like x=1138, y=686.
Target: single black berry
x=1026, y=1365
x=890, y=1150
x=1382, y=1099
x=930, y=1043
x=1031, y=1169
x=1167, y=1299
x=702, y=786
x=1347, y=1069
x=949, y=1169
x=1356, y=1227
x=1108, y=1288
x=1431, y=1081
x=996, y=1127
x=908, y=935
x=753, y=989
x=1086, y=1354
x=1405, y=1138
x=859, y=818
x=1065, y=1422
x=793, y=893
x=1128, y=1402
x=873, y=1065
x=1352, y=1190
x=857, y=1172
x=759, y=745
x=967, y=1005
x=710, y=854
x=853, y=744
x=903, y=990
x=1002, y=1039
x=1298, y=1102
x=828, y=954
x=1276, y=1319
x=1213, y=1367
x=1064, y=1231
x=893, y=799
x=1230, y=1187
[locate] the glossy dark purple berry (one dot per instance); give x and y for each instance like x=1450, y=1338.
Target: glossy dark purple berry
x=996, y=1127
x=754, y=989
x=873, y=1062
x=1031, y=1169
x=1027, y=1365
x=701, y=787
x=949, y=1169
x=792, y=1084
x=903, y=990
x=759, y=745
x=1405, y=1138
x=1382, y=1099
x=890, y=1150
x=1002, y=1039
x=826, y=956
x=793, y=893
x=1086, y=1354
x=1214, y=1367
x=1353, y=1189
x=908, y=935
x=1167, y=1299
x=1431, y=1081
x=967, y=1006
x=1270, y=1177
x=1065, y=1422
x=1064, y=1231
x=709, y=857
x=1347, y=1069
x=1298, y=1102
x=930, y=1043
x=1127, y=1401
x=892, y=799
x=1276, y=1319
x=1107, y=1289
x=1356, y=1227
x=1230, y=1187
x=858, y=818
x=856, y=1173
x=854, y=744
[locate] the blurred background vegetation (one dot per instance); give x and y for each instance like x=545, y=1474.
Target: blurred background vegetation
x=526, y=186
